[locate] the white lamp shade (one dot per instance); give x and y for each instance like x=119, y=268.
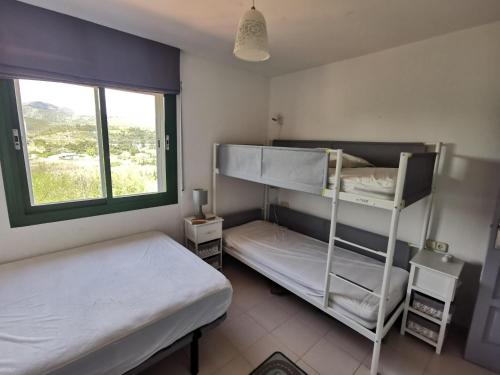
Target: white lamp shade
x=251, y=42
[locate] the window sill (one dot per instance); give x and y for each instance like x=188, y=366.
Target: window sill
x=50, y=214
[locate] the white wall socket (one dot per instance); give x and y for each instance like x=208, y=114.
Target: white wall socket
x=436, y=245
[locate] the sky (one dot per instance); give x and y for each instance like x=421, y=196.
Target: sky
x=127, y=106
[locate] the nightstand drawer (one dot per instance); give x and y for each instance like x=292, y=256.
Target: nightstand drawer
x=434, y=284
x=208, y=232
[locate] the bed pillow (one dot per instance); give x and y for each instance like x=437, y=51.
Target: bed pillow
x=349, y=161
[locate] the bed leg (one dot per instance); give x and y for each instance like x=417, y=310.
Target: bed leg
x=375, y=357
x=195, y=353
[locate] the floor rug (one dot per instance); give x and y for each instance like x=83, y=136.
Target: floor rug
x=278, y=364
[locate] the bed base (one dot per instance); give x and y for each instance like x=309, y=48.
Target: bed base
x=191, y=339
x=318, y=302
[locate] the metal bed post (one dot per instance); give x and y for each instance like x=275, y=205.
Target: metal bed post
x=214, y=179
x=391, y=245
x=430, y=200
x=266, y=202
x=333, y=227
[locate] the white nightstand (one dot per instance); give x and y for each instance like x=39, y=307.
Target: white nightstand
x=205, y=239
x=431, y=290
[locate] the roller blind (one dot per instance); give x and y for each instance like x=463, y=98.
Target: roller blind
x=38, y=43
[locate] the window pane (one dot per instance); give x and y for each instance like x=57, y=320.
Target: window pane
x=62, y=145
x=133, y=147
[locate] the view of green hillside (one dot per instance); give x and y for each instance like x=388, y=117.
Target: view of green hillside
x=64, y=155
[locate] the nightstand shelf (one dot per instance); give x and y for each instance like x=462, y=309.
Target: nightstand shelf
x=431, y=290
x=205, y=239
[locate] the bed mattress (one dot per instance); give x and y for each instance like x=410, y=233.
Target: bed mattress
x=104, y=308
x=370, y=181
x=299, y=262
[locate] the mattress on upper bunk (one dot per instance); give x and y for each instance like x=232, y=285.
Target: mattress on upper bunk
x=369, y=181
x=299, y=262
x=104, y=308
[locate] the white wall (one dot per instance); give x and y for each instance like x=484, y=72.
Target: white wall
x=442, y=89
x=220, y=103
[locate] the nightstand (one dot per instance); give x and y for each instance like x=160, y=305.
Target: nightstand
x=431, y=290
x=205, y=239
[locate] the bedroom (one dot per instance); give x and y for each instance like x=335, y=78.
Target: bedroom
x=394, y=72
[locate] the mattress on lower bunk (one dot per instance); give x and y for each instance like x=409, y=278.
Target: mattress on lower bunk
x=299, y=262
x=104, y=308
x=370, y=181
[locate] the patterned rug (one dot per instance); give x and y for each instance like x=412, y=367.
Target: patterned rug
x=278, y=364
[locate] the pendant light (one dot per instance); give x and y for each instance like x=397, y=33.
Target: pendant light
x=251, y=38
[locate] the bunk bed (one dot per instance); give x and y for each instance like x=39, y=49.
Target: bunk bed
x=354, y=276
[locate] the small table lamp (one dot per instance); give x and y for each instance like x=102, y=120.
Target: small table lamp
x=200, y=198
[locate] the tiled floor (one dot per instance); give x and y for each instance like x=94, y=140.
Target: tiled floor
x=259, y=323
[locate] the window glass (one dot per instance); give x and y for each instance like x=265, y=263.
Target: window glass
x=61, y=141
x=134, y=146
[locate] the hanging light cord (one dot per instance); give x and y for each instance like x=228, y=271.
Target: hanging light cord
x=253, y=4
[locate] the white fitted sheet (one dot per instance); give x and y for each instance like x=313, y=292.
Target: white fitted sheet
x=104, y=308
x=300, y=261
x=370, y=181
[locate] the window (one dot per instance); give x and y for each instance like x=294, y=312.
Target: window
x=71, y=151
x=135, y=121
x=60, y=141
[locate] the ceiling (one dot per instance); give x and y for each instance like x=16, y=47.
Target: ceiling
x=302, y=33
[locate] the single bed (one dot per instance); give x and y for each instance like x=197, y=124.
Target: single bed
x=298, y=262
x=104, y=308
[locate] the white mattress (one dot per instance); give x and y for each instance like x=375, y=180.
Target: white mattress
x=371, y=182
x=300, y=263
x=104, y=308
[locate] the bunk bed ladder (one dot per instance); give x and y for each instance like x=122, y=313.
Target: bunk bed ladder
x=391, y=245
x=333, y=227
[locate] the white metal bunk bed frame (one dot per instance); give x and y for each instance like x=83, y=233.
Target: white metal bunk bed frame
x=395, y=206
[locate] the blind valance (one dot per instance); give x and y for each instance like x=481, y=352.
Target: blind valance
x=38, y=43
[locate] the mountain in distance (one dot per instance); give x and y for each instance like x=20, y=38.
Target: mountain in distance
x=48, y=112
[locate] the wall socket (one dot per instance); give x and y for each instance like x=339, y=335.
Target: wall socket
x=436, y=245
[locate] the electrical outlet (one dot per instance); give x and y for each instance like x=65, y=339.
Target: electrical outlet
x=436, y=245
x=441, y=246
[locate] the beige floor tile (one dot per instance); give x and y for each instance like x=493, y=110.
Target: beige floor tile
x=242, y=331
x=398, y=362
x=448, y=364
x=264, y=347
x=269, y=314
x=297, y=336
x=418, y=349
x=234, y=311
x=289, y=302
x=215, y=351
x=328, y=359
x=248, y=297
x=316, y=319
x=362, y=370
x=305, y=367
x=237, y=366
x=350, y=341
x=454, y=343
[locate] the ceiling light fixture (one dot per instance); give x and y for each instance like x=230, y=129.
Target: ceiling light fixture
x=251, y=42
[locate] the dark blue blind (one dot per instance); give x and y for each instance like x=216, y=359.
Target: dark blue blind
x=41, y=44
